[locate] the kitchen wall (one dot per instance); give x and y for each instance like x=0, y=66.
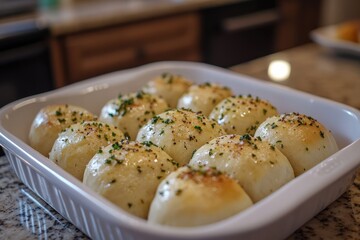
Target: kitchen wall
x=336, y=11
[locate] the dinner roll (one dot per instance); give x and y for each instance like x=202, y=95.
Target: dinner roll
x=75, y=146
x=168, y=86
x=302, y=139
x=131, y=111
x=50, y=121
x=349, y=31
x=189, y=197
x=204, y=97
x=180, y=133
x=128, y=173
x=259, y=167
x=242, y=114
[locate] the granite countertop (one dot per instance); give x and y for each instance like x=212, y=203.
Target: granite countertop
x=311, y=69
x=73, y=16
x=23, y=215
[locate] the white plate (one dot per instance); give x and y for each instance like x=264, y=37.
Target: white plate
x=326, y=36
x=275, y=217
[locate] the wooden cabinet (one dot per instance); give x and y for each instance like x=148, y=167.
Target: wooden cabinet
x=297, y=19
x=87, y=54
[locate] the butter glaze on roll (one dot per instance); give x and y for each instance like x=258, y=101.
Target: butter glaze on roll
x=53, y=119
x=204, y=97
x=259, y=167
x=189, y=198
x=180, y=133
x=168, y=86
x=242, y=114
x=128, y=173
x=75, y=146
x=130, y=112
x=302, y=139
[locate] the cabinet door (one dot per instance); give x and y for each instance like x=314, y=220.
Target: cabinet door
x=298, y=18
x=105, y=50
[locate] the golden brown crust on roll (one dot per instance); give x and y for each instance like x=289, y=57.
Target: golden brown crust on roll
x=349, y=31
x=204, y=97
x=180, y=133
x=130, y=112
x=53, y=119
x=75, y=146
x=242, y=114
x=302, y=139
x=168, y=86
x=258, y=166
x=190, y=197
x=128, y=173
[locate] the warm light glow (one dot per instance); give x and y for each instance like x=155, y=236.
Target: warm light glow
x=279, y=70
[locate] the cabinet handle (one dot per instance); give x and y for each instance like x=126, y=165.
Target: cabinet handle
x=250, y=21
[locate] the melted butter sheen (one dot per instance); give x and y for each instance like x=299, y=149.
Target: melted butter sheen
x=128, y=174
x=302, y=139
x=256, y=165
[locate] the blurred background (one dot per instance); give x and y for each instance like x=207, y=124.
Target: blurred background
x=46, y=44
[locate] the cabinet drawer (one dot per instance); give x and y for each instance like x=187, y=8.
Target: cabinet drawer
x=96, y=52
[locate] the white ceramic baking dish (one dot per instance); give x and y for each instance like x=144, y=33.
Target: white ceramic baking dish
x=275, y=217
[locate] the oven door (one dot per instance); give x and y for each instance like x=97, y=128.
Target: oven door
x=240, y=32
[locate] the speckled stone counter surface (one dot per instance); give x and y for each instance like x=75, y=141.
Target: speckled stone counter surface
x=23, y=215
x=313, y=69
x=72, y=16
x=76, y=15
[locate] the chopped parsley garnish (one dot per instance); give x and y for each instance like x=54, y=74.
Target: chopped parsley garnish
x=168, y=121
x=211, y=152
x=198, y=128
x=58, y=112
x=148, y=143
x=178, y=192
x=246, y=137
x=123, y=107
x=61, y=120
x=155, y=119
x=116, y=146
